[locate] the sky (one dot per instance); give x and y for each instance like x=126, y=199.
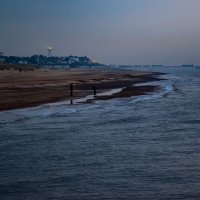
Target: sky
x=128, y=32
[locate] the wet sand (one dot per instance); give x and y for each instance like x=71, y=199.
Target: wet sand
x=33, y=88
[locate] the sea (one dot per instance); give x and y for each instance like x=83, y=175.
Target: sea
x=142, y=147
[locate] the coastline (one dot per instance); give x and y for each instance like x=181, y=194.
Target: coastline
x=34, y=88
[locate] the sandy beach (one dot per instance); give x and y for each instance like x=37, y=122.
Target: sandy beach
x=36, y=87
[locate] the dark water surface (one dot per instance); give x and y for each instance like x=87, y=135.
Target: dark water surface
x=145, y=147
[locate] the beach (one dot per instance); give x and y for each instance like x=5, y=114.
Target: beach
x=41, y=86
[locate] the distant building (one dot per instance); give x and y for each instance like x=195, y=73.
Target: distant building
x=74, y=58
x=71, y=59
x=187, y=65
x=137, y=65
x=146, y=66
x=84, y=60
x=113, y=66
x=125, y=66
x=24, y=62
x=156, y=65
x=62, y=61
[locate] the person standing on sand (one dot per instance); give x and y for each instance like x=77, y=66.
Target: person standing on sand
x=95, y=92
x=71, y=88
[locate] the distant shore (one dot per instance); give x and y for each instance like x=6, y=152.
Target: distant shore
x=41, y=86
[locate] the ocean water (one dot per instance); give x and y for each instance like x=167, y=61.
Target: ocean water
x=145, y=147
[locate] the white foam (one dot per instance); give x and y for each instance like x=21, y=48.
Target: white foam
x=49, y=109
x=45, y=111
x=166, y=88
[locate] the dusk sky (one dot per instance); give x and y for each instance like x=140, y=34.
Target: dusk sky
x=163, y=32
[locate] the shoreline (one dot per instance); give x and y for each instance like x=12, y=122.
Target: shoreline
x=34, y=88
x=127, y=92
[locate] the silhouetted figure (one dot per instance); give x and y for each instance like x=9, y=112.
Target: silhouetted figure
x=20, y=70
x=95, y=92
x=71, y=102
x=71, y=88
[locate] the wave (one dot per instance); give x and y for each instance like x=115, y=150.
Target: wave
x=25, y=114
x=166, y=88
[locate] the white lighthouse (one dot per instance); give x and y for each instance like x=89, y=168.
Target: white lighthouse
x=49, y=51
